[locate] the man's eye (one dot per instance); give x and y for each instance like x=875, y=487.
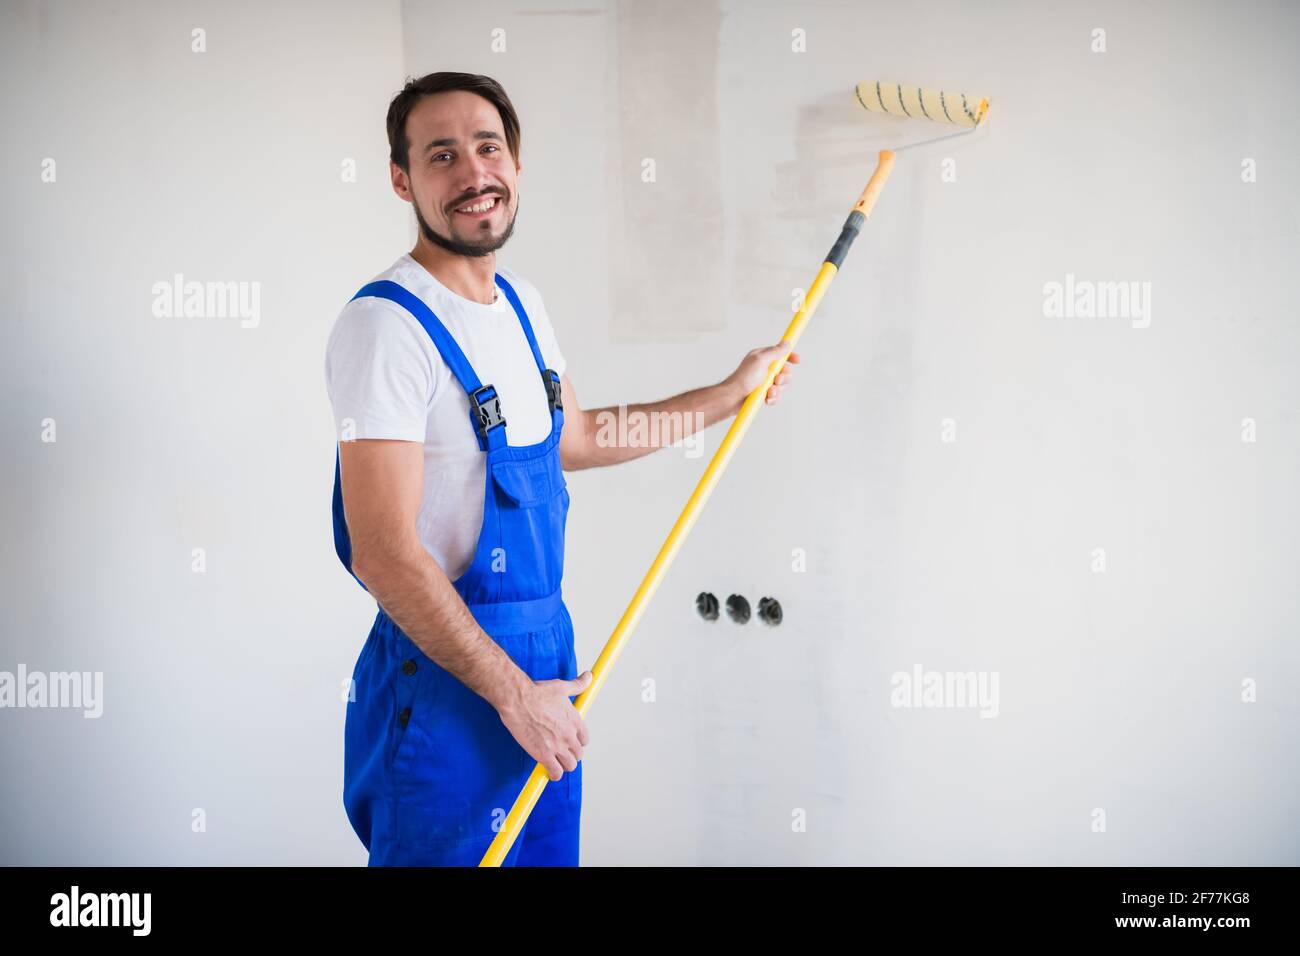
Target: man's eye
x=490, y=146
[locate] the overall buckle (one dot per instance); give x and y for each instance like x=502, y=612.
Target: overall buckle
x=486, y=410
x=552, y=382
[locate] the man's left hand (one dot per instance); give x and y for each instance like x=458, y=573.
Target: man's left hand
x=753, y=370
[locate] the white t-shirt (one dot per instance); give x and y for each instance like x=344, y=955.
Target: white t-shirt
x=386, y=377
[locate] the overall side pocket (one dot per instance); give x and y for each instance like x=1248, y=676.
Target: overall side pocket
x=414, y=690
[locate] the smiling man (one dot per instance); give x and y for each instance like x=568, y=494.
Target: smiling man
x=456, y=422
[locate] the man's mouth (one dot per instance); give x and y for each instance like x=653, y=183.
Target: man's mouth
x=480, y=208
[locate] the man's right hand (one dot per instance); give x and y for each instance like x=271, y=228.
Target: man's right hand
x=544, y=721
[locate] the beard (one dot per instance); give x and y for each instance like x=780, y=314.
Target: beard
x=461, y=247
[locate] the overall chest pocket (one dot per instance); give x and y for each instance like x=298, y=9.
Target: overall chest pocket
x=532, y=505
x=531, y=482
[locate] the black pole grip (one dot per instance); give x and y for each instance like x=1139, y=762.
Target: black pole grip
x=852, y=226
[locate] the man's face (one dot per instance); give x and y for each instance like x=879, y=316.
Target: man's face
x=459, y=162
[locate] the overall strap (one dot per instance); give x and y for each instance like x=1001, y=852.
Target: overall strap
x=484, y=403
x=550, y=379
x=342, y=540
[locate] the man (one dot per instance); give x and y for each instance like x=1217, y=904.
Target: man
x=456, y=422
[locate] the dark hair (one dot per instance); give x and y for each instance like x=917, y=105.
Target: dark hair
x=399, y=145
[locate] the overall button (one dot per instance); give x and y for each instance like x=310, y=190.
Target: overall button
x=404, y=716
x=408, y=668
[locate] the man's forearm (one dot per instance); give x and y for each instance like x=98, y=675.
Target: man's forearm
x=624, y=432
x=415, y=592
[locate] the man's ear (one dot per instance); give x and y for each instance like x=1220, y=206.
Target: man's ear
x=401, y=184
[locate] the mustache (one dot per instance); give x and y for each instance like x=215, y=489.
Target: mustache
x=472, y=196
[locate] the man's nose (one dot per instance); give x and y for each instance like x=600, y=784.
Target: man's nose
x=477, y=179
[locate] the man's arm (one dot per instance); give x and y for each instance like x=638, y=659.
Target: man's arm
x=585, y=443
x=382, y=489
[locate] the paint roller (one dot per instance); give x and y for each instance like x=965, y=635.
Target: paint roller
x=943, y=106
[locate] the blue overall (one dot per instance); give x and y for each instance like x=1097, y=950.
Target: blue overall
x=429, y=769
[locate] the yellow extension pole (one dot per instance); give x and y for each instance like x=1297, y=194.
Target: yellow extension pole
x=532, y=790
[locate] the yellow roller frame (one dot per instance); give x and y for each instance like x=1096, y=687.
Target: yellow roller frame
x=537, y=781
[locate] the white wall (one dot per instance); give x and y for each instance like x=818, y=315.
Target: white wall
x=1118, y=690
x=221, y=690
